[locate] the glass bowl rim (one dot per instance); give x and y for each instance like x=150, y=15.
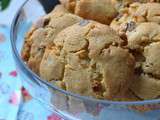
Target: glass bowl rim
x=35, y=78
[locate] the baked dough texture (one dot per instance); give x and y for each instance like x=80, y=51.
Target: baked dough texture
x=119, y=61
x=139, y=25
x=43, y=33
x=102, y=11
x=81, y=57
x=144, y=41
x=136, y=13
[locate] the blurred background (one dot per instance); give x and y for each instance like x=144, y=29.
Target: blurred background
x=8, y=9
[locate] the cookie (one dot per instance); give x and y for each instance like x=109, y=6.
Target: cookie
x=146, y=87
x=119, y=4
x=130, y=17
x=48, y=64
x=43, y=33
x=126, y=20
x=144, y=34
x=88, y=54
x=148, y=12
x=25, y=53
x=69, y=4
x=102, y=11
x=42, y=22
x=152, y=64
x=36, y=50
x=118, y=70
x=146, y=40
x=71, y=42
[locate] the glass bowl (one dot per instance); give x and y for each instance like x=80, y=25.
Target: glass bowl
x=66, y=104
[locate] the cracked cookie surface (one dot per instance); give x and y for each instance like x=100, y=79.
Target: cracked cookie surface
x=102, y=11
x=136, y=13
x=139, y=25
x=89, y=55
x=43, y=33
x=146, y=40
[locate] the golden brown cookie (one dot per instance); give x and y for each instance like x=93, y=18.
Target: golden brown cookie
x=69, y=4
x=102, y=11
x=136, y=13
x=98, y=42
x=152, y=59
x=146, y=87
x=43, y=33
x=90, y=61
x=119, y=4
x=126, y=20
x=124, y=3
x=42, y=22
x=144, y=34
x=52, y=66
x=145, y=40
x=148, y=12
x=25, y=53
x=118, y=71
x=36, y=50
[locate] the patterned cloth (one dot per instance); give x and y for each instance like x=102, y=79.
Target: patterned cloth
x=10, y=93
x=12, y=106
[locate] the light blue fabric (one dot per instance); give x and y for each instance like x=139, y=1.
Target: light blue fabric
x=8, y=83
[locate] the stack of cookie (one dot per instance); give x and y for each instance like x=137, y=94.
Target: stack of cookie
x=107, y=49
